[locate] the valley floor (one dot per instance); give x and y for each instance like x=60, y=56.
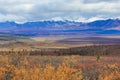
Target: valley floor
x=60, y=58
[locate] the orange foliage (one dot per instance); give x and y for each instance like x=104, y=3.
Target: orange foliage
x=18, y=68
x=11, y=71
x=110, y=72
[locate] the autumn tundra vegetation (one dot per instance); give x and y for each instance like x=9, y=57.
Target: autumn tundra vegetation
x=66, y=65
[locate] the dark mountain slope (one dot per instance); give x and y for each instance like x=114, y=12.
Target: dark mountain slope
x=47, y=28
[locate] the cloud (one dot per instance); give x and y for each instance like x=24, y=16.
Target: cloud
x=96, y=1
x=74, y=10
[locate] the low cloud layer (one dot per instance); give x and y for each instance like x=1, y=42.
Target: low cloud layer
x=74, y=10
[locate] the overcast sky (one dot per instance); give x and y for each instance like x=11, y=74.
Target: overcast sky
x=74, y=10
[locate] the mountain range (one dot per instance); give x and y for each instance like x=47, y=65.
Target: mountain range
x=60, y=28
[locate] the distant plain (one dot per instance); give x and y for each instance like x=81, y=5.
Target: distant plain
x=8, y=42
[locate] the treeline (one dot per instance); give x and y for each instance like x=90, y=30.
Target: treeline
x=86, y=50
x=92, y=50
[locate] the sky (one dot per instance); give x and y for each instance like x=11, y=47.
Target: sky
x=73, y=10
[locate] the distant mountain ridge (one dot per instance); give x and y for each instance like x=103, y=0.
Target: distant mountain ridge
x=60, y=28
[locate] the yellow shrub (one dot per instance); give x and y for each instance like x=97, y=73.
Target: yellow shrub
x=17, y=67
x=110, y=72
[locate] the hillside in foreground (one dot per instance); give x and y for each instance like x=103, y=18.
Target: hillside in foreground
x=21, y=65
